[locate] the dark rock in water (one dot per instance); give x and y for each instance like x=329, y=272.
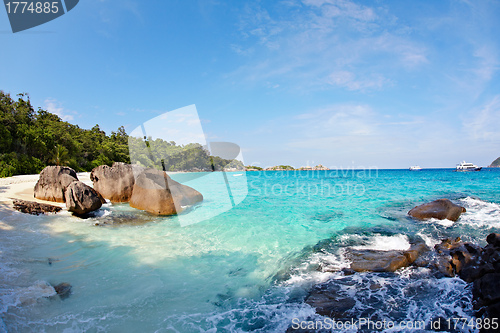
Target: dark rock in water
x=155, y=192
x=455, y=257
x=53, y=182
x=124, y=218
x=34, y=208
x=440, y=209
x=81, y=198
x=493, y=239
x=328, y=301
x=488, y=288
x=63, y=290
x=384, y=261
x=115, y=183
x=484, y=272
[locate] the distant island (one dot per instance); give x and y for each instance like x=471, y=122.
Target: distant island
x=495, y=163
x=284, y=168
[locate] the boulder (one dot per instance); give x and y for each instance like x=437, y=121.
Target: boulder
x=34, y=208
x=493, y=239
x=384, y=261
x=485, y=275
x=53, y=182
x=81, y=198
x=488, y=288
x=439, y=209
x=155, y=192
x=454, y=257
x=115, y=183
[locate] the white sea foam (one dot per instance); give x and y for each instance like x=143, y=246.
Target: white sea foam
x=480, y=213
x=445, y=223
x=385, y=243
x=429, y=240
x=25, y=296
x=329, y=263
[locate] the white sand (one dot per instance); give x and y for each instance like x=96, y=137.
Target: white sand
x=21, y=187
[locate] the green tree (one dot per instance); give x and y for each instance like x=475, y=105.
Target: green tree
x=60, y=155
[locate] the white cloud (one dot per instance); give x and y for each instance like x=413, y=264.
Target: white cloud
x=483, y=123
x=348, y=80
x=343, y=8
x=488, y=62
x=55, y=107
x=325, y=44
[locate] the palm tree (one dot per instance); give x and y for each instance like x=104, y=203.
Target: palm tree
x=60, y=155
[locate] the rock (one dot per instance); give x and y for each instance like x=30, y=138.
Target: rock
x=384, y=261
x=440, y=209
x=376, y=261
x=493, y=239
x=115, y=183
x=415, y=251
x=63, y=290
x=455, y=256
x=488, y=288
x=155, y=192
x=34, y=208
x=328, y=301
x=81, y=198
x=53, y=182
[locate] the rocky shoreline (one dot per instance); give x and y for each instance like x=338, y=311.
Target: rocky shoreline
x=479, y=266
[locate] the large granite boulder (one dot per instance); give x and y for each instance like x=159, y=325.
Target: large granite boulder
x=81, y=198
x=439, y=209
x=53, y=182
x=155, y=192
x=115, y=183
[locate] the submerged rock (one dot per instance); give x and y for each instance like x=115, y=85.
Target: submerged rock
x=115, y=183
x=53, y=182
x=63, y=290
x=34, y=208
x=155, y=192
x=439, y=209
x=81, y=198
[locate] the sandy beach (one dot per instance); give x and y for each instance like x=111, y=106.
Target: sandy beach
x=21, y=187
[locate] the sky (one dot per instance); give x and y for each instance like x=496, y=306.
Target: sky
x=385, y=84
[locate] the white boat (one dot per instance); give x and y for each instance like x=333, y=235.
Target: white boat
x=464, y=166
x=415, y=168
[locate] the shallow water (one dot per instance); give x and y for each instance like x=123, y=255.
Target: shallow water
x=244, y=269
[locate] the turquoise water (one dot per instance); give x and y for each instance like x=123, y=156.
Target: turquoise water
x=248, y=268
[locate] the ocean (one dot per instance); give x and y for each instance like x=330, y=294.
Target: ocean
x=245, y=258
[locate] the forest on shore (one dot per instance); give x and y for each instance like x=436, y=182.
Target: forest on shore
x=31, y=140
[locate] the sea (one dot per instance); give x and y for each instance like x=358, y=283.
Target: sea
x=246, y=258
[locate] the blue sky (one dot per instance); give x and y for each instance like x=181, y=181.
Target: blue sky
x=343, y=83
